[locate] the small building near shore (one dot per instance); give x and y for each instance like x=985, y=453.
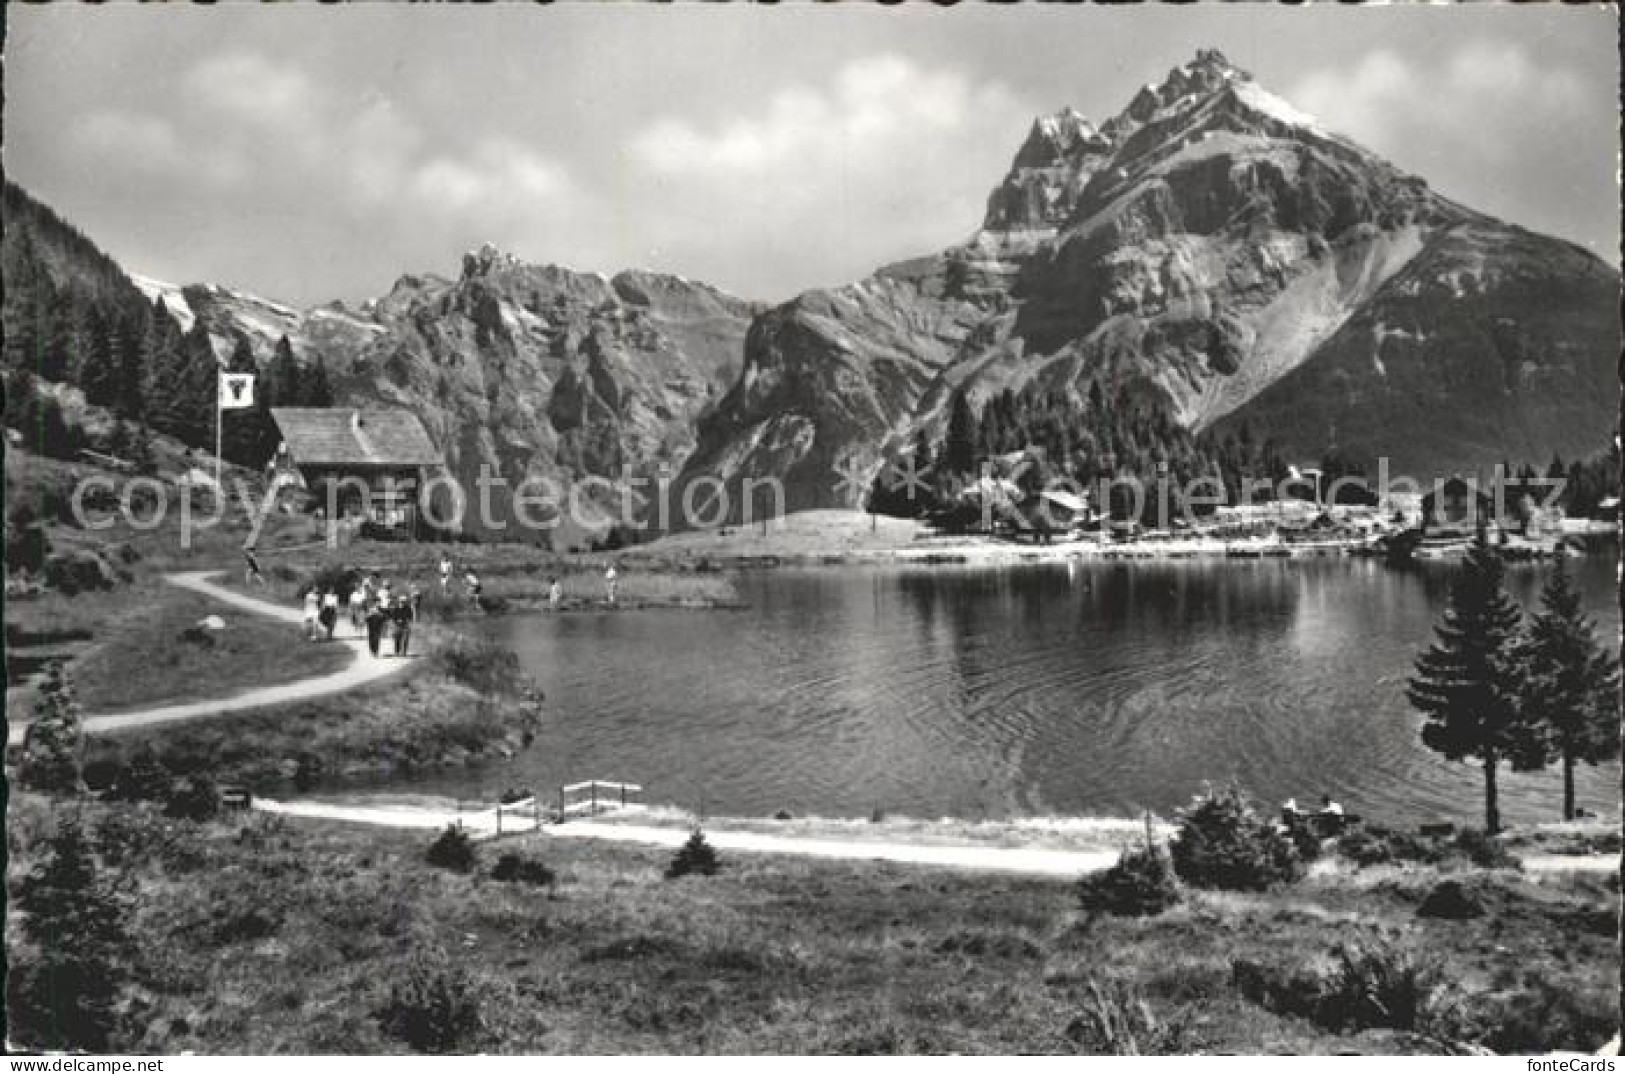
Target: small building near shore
x=1457, y=508
x=373, y=464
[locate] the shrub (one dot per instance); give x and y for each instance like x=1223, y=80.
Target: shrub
x=434, y=1010
x=67, y=995
x=52, y=745
x=72, y=573
x=1116, y=1020
x=193, y=797
x=1373, y=984
x=1485, y=850
x=1452, y=900
x=485, y=665
x=453, y=850
x=1223, y=843
x=1376, y=845
x=1141, y=884
x=517, y=869
x=1545, y=1016
x=1364, y=984
x=340, y=579
x=695, y=856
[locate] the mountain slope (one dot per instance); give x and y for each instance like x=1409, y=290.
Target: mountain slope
x=527, y=372
x=1210, y=252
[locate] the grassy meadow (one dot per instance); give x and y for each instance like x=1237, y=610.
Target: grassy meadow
x=258, y=935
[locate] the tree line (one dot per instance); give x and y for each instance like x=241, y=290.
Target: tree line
x=1495, y=689
x=1084, y=439
x=72, y=317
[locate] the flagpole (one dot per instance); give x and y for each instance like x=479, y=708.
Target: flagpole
x=219, y=435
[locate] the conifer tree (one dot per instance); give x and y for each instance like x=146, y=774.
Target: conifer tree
x=959, y=450
x=66, y=995
x=52, y=746
x=1571, y=687
x=1467, y=683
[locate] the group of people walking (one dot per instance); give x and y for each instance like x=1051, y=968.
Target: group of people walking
x=374, y=608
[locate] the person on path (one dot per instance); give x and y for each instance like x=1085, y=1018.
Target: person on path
x=251, y=567
x=402, y=615
x=330, y=612
x=609, y=583
x=472, y=582
x=445, y=575
x=386, y=596
x=555, y=594
x=377, y=617
x=415, y=595
x=313, y=609
x=358, y=607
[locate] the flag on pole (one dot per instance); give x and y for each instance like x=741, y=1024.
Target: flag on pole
x=236, y=391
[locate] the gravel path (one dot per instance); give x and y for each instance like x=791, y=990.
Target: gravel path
x=363, y=669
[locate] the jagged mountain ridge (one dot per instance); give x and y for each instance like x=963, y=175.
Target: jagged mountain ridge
x=533, y=371
x=1210, y=250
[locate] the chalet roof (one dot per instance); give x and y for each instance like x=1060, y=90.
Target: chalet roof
x=343, y=436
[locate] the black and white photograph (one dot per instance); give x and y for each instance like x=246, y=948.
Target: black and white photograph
x=811, y=529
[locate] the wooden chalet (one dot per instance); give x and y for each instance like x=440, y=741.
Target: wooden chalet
x=372, y=463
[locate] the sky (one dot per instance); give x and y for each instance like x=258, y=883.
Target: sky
x=312, y=153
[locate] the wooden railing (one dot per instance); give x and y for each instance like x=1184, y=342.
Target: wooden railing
x=590, y=797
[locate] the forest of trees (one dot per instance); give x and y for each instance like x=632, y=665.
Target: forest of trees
x=72, y=317
x=1083, y=440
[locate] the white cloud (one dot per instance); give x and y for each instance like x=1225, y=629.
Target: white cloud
x=887, y=156
x=1468, y=99
x=251, y=87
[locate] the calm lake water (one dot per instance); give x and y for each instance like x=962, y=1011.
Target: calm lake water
x=1103, y=688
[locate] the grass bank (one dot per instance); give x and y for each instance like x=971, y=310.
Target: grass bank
x=255, y=935
x=461, y=702
x=512, y=577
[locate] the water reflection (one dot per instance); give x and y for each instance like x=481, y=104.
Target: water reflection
x=1105, y=687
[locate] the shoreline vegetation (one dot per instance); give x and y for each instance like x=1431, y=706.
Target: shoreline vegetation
x=247, y=931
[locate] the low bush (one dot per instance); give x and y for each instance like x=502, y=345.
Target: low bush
x=434, y=1010
x=1141, y=884
x=481, y=663
x=695, y=856
x=1379, y=985
x=1541, y=1016
x=1484, y=850
x=516, y=869
x=1223, y=843
x=71, y=573
x=1366, y=983
x=1377, y=845
x=453, y=850
x=1116, y=1020
x=193, y=797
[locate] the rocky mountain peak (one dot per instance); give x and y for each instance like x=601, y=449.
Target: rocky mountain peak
x=483, y=261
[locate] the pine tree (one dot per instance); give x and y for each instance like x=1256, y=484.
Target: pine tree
x=66, y=996
x=1467, y=683
x=1572, y=684
x=317, y=390
x=959, y=449
x=55, y=736
x=283, y=384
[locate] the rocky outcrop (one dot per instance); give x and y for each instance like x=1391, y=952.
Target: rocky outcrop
x=529, y=371
x=1212, y=251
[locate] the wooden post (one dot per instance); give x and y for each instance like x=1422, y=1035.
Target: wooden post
x=592, y=790
x=499, y=818
x=561, y=803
